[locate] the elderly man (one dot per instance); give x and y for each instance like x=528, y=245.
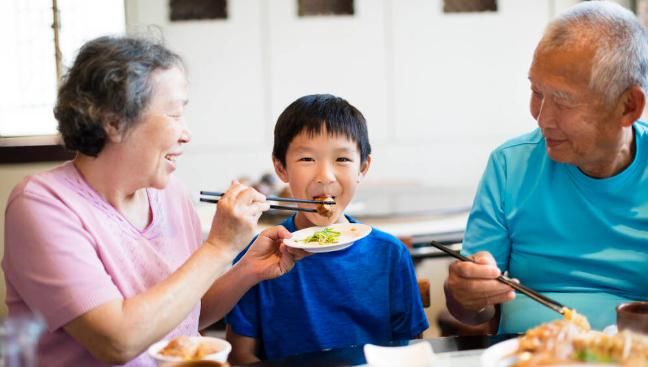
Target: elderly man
x=564, y=209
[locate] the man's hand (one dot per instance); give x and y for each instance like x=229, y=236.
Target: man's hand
x=473, y=285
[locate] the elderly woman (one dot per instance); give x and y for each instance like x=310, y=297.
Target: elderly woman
x=108, y=247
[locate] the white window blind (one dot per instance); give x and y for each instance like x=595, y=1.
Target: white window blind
x=29, y=77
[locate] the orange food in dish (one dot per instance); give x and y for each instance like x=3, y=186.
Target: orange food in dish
x=571, y=341
x=188, y=349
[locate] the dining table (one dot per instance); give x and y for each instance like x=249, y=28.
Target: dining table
x=455, y=351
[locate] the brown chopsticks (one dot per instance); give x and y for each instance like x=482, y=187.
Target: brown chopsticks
x=210, y=194
x=546, y=301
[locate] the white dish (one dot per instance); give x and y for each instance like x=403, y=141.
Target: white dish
x=414, y=355
x=350, y=233
x=220, y=356
x=501, y=355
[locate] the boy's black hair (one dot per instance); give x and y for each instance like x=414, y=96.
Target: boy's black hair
x=314, y=112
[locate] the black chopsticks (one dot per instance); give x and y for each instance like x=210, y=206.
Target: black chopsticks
x=271, y=198
x=546, y=301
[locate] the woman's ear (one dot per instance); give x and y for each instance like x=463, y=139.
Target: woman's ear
x=280, y=170
x=364, y=168
x=113, y=130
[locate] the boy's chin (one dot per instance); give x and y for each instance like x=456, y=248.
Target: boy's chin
x=320, y=220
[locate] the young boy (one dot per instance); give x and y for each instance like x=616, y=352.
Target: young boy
x=366, y=293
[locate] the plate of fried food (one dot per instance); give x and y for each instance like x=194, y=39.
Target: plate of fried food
x=569, y=342
x=190, y=348
x=334, y=237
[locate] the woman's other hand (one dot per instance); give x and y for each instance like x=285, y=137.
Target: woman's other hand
x=237, y=214
x=269, y=257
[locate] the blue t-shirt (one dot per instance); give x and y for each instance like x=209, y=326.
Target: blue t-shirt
x=366, y=293
x=579, y=240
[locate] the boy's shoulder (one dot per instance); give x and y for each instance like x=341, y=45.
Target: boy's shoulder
x=383, y=238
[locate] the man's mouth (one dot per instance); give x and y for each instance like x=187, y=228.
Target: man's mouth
x=554, y=142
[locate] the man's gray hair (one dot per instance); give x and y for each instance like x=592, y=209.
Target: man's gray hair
x=621, y=44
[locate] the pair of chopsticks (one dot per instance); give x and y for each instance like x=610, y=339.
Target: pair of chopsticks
x=210, y=194
x=546, y=301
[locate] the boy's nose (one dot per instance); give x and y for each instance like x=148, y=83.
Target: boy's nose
x=325, y=174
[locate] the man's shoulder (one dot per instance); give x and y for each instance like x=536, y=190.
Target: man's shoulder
x=528, y=141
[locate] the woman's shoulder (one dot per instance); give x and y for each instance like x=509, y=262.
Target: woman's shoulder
x=45, y=184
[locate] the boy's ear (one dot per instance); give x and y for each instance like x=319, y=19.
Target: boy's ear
x=280, y=170
x=364, y=168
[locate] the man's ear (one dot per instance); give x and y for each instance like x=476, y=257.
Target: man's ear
x=633, y=103
x=113, y=130
x=364, y=168
x=280, y=170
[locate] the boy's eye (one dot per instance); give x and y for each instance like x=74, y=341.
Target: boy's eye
x=306, y=159
x=344, y=159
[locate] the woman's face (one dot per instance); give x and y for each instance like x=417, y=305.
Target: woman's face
x=157, y=140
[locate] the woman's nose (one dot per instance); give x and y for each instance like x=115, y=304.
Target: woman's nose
x=185, y=137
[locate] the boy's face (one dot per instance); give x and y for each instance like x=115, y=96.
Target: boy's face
x=322, y=166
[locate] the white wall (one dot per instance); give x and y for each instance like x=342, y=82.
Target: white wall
x=439, y=91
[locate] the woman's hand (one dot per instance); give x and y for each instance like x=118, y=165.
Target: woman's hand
x=268, y=257
x=237, y=214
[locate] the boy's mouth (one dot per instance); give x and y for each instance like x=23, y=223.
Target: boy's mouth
x=324, y=197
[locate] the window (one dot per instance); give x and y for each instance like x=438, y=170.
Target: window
x=32, y=35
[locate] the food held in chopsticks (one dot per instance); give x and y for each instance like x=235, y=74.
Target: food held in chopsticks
x=326, y=236
x=323, y=209
x=570, y=341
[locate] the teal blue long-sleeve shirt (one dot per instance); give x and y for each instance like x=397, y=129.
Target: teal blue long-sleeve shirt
x=579, y=240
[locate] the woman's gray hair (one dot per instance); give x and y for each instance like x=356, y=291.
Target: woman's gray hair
x=109, y=82
x=621, y=45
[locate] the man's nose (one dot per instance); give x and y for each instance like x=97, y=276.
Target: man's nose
x=546, y=114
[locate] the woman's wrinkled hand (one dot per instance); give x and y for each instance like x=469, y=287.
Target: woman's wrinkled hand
x=269, y=257
x=474, y=285
x=236, y=218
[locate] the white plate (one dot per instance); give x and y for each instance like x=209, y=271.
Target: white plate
x=350, y=232
x=500, y=355
x=413, y=355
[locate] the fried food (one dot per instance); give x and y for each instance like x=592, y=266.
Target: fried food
x=188, y=349
x=324, y=210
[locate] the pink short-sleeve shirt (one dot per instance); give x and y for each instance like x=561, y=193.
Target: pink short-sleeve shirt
x=68, y=251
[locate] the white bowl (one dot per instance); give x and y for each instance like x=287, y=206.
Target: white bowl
x=220, y=356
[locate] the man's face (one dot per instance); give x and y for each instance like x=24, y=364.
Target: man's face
x=578, y=127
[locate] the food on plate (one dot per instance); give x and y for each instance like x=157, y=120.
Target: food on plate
x=570, y=341
x=324, y=210
x=325, y=236
x=187, y=348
